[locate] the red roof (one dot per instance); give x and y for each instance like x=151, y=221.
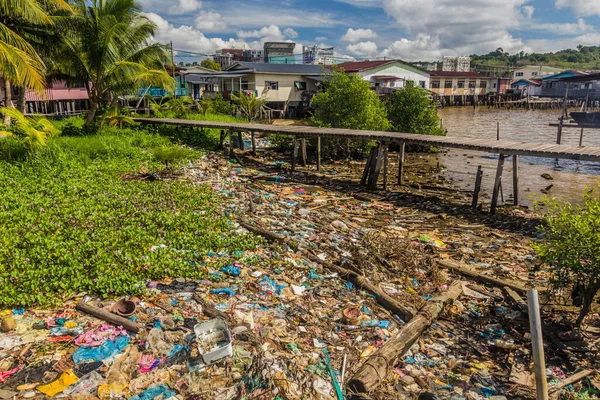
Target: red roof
x=357, y=66
x=387, y=78
x=459, y=74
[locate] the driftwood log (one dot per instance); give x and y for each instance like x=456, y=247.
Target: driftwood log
x=465, y=271
x=570, y=380
x=109, y=317
x=378, y=365
x=385, y=300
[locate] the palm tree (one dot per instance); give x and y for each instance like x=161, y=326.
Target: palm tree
x=249, y=106
x=106, y=44
x=19, y=62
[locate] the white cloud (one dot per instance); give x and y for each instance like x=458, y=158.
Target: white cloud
x=566, y=28
x=423, y=48
x=321, y=39
x=272, y=31
x=185, y=6
x=190, y=39
x=363, y=49
x=582, y=8
x=290, y=33
x=528, y=11
x=208, y=21
x=361, y=3
x=356, y=35
x=547, y=45
x=465, y=27
x=252, y=15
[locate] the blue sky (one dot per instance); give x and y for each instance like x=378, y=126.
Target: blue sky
x=407, y=29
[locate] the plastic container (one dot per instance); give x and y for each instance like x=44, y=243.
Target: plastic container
x=213, y=339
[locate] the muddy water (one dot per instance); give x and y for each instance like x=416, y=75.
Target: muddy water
x=570, y=177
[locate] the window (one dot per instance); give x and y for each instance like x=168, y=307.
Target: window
x=448, y=84
x=422, y=84
x=472, y=84
x=300, y=85
x=482, y=84
x=534, y=73
x=461, y=84
x=435, y=84
x=244, y=85
x=272, y=85
x=518, y=74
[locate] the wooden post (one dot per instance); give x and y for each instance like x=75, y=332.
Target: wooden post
x=253, y=143
x=319, y=153
x=385, y=165
x=559, y=131
x=370, y=161
x=516, y=179
x=401, y=163
x=376, y=168
x=537, y=342
x=303, y=151
x=497, y=183
x=477, y=189
x=231, y=142
x=241, y=141
x=294, y=154
x=497, y=130
x=221, y=138
x=581, y=138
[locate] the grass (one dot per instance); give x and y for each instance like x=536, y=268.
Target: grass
x=70, y=222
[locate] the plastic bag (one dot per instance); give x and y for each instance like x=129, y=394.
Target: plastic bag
x=154, y=392
x=106, y=350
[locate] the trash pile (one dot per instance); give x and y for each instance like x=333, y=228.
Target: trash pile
x=283, y=321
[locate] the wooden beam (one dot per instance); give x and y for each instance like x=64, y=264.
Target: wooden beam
x=294, y=155
x=319, y=153
x=109, y=317
x=497, y=183
x=241, y=141
x=478, y=177
x=303, y=151
x=516, y=179
x=571, y=380
x=372, y=184
x=401, y=163
x=385, y=165
x=370, y=161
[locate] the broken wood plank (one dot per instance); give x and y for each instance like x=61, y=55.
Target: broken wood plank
x=570, y=380
x=378, y=365
x=109, y=317
x=466, y=271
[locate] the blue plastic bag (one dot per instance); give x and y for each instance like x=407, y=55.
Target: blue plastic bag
x=154, y=392
x=106, y=350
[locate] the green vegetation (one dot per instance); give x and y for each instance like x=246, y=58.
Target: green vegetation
x=348, y=102
x=501, y=63
x=412, y=111
x=31, y=133
x=249, y=106
x=570, y=247
x=210, y=64
x=75, y=216
x=106, y=45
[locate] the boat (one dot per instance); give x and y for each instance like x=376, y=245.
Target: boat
x=586, y=118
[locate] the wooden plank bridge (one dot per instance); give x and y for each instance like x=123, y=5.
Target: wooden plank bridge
x=379, y=155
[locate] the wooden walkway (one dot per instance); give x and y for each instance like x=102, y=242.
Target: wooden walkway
x=484, y=145
x=379, y=155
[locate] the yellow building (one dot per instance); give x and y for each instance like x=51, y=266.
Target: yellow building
x=451, y=83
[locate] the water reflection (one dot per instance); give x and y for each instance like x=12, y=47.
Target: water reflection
x=570, y=177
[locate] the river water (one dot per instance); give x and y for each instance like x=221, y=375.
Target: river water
x=570, y=177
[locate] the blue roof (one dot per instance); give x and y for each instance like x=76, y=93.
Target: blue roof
x=564, y=74
x=300, y=69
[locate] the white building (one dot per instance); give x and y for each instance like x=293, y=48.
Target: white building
x=317, y=55
x=388, y=75
x=457, y=64
x=535, y=72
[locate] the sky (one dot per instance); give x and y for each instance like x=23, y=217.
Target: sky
x=412, y=30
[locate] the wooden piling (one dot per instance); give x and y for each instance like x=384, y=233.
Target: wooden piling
x=559, y=131
x=241, y=140
x=516, y=179
x=497, y=130
x=537, y=342
x=221, y=138
x=376, y=168
x=581, y=138
x=385, y=165
x=294, y=155
x=370, y=161
x=478, y=177
x=231, y=143
x=253, y=138
x=497, y=183
x=303, y=151
x=401, y=163
x=319, y=153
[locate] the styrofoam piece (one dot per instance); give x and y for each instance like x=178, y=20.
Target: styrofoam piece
x=217, y=331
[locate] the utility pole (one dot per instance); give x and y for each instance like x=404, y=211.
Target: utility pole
x=173, y=69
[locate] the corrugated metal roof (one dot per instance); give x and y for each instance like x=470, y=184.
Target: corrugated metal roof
x=356, y=66
x=458, y=74
x=301, y=69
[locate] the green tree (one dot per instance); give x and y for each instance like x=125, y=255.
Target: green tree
x=210, y=64
x=411, y=110
x=20, y=64
x=347, y=102
x=106, y=44
x=249, y=106
x=570, y=246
